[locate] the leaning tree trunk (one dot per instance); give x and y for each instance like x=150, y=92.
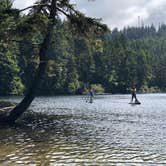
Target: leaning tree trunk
x=16, y=112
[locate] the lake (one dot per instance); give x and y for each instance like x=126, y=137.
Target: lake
x=67, y=130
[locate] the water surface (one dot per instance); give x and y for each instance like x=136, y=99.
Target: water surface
x=67, y=130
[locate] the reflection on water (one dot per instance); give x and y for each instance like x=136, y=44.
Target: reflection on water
x=69, y=131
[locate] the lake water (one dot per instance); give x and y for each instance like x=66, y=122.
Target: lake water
x=67, y=130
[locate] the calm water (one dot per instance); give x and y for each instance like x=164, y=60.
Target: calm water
x=69, y=131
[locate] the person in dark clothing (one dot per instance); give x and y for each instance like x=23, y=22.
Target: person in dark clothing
x=133, y=95
x=91, y=94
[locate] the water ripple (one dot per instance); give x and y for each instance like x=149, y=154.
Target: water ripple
x=68, y=131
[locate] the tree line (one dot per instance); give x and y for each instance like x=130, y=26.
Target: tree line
x=111, y=62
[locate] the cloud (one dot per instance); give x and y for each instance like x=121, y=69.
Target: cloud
x=123, y=13
x=23, y=3
x=118, y=13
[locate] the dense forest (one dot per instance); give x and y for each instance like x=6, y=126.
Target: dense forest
x=111, y=63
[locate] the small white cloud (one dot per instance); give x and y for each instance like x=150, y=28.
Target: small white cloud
x=23, y=3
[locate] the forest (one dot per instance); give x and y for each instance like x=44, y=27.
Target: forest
x=111, y=63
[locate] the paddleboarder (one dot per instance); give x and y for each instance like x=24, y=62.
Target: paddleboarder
x=133, y=95
x=91, y=94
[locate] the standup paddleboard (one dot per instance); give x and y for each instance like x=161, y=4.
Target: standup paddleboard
x=136, y=103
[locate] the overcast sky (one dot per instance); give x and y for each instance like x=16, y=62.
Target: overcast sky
x=118, y=13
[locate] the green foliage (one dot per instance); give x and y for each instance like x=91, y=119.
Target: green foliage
x=9, y=72
x=5, y=5
x=17, y=86
x=73, y=87
x=98, y=88
x=111, y=62
x=9, y=69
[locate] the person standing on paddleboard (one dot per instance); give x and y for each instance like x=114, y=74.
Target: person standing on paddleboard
x=91, y=94
x=133, y=94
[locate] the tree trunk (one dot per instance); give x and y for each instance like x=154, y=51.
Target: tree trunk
x=27, y=100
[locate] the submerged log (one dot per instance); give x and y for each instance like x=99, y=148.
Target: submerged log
x=5, y=111
x=4, y=115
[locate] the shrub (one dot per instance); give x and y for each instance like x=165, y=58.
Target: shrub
x=98, y=88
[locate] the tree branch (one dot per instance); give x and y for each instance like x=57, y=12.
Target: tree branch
x=67, y=15
x=37, y=5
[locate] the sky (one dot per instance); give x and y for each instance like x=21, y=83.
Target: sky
x=118, y=13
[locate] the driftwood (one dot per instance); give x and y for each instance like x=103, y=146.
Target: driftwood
x=5, y=114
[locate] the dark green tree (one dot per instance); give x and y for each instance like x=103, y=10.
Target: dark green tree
x=50, y=9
